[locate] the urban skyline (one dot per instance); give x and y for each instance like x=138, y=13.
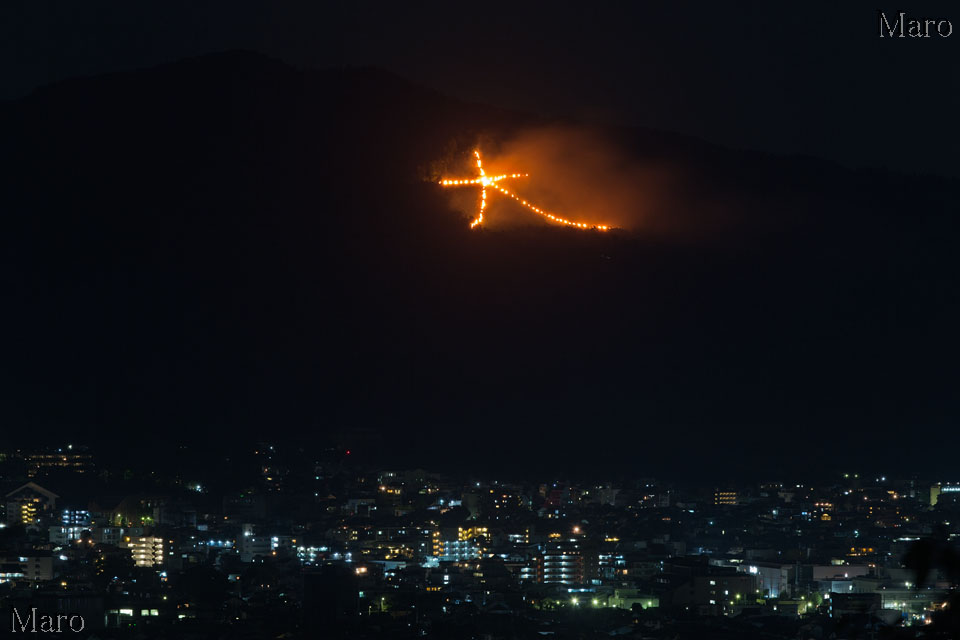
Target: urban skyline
x=451, y=321
x=351, y=544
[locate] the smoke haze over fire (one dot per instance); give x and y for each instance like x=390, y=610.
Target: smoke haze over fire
x=576, y=173
x=589, y=175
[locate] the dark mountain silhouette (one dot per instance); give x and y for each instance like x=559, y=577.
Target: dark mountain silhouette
x=231, y=246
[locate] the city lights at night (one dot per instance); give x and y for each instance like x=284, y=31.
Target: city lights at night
x=400, y=320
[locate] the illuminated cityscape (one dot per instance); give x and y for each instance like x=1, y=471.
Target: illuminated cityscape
x=409, y=551
x=449, y=321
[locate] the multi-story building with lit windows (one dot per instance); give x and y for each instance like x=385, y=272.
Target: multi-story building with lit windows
x=520, y=537
x=26, y=504
x=505, y=501
x=610, y=564
x=465, y=534
x=939, y=491
x=75, y=517
x=35, y=567
x=710, y=590
x=147, y=551
x=562, y=562
x=62, y=535
x=76, y=460
x=468, y=544
x=456, y=550
x=724, y=497
x=10, y=571
x=774, y=579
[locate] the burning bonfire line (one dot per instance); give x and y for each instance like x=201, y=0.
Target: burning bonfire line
x=494, y=182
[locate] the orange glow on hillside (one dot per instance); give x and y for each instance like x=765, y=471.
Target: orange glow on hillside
x=493, y=181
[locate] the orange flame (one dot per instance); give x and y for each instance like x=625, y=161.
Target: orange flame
x=493, y=181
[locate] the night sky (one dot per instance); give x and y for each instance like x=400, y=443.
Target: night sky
x=810, y=78
x=225, y=247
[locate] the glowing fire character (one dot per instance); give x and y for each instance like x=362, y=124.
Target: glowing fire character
x=494, y=182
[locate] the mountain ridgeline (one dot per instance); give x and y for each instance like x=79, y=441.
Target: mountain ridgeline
x=230, y=247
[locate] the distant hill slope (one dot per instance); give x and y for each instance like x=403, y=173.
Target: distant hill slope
x=228, y=244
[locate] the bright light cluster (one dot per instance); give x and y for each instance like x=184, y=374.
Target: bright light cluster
x=493, y=181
